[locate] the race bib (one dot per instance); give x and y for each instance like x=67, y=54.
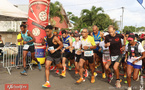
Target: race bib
x=132, y=49
x=106, y=56
x=26, y=47
x=96, y=42
x=88, y=53
x=65, y=45
x=113, y=58
x=51, y=48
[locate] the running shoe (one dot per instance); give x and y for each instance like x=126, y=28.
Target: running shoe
x=92, y=79
x=23, y=73
x=69, y=68
x=86, y=73
x=118, y=85
x=63, y=74
x=55, y=68
x=76, y=72
x=110, y=78
x=124, y=75
x=39, y=66
x=68, y=63
x=57, y=72
x=46, y=85
x=103, y=75
x=129, y=88
x=95, y=74
x=80, y=80
x=51, y=68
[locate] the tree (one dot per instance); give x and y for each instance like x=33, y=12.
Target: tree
x=89, y=16
x=129, y=29
x=55, y=10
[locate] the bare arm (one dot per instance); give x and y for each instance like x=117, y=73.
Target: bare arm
x=31, y=35
x=59, y=42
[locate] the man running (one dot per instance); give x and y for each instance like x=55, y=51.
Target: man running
x=88, y=44
x=54, y=46
x=98, y=36
x=113, y=41
x=28, y=39
x=134, y=55
x=67, y=51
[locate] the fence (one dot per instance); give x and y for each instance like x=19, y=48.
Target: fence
x=13, y=57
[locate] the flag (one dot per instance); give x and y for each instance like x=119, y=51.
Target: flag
x=142, y=3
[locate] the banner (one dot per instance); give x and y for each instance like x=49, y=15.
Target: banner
x=38, y=18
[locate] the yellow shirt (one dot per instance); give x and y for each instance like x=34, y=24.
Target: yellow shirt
x=19, y=37
x=89, y=41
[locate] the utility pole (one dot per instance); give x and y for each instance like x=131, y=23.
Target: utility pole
x=120, y=23
x=122, y=16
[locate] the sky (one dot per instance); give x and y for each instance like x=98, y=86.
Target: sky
x=134, y=14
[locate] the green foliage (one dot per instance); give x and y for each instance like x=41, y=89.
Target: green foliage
x=55, y=10
x=94, y=16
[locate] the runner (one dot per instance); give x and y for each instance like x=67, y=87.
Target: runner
x=77, y=46
x=98, y=36
x=67, y=51
x=88, y=44
x=113, y=41
x=134, y=55
x=54, y=46
x=28, y=40
x=106, y=60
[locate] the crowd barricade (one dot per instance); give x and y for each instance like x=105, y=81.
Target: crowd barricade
x=9, y=57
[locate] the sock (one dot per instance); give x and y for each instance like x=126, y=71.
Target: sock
x=47, y=81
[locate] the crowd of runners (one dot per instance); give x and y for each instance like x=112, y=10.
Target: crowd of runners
x=86, y=51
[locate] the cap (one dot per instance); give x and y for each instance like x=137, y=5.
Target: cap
x=76, y=35
x=131, y=37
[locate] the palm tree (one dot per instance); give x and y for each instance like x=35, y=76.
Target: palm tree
x=55, y=11
x=89, y=16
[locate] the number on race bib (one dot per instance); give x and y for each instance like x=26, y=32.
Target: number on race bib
x=51, y=48
x=65, y=45
x=113, y=58
x=96, y=42
x=26, y=47
x=88, y=53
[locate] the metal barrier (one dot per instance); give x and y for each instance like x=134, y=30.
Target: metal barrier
x=10, y=54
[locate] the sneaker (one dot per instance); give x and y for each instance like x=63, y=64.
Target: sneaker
x=76, y=72
x=17, y=67
x=68, y=63
x=55, y=68
x=57, y=72
x=39, y=66
x=118, y=85
x=92, y=79
x=129, y=88
x=95, y=74
x=80, y=80
x=125, y=82
x=138, y=76
x=46, y=85
x=86, y=73
x=63, y=74
x=51, y=68
x=110, y=78
x=23, y=73
x=103, y=75
x=124, y=75
x=69, y=68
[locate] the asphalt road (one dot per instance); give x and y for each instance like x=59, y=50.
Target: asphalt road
x=36, y=78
